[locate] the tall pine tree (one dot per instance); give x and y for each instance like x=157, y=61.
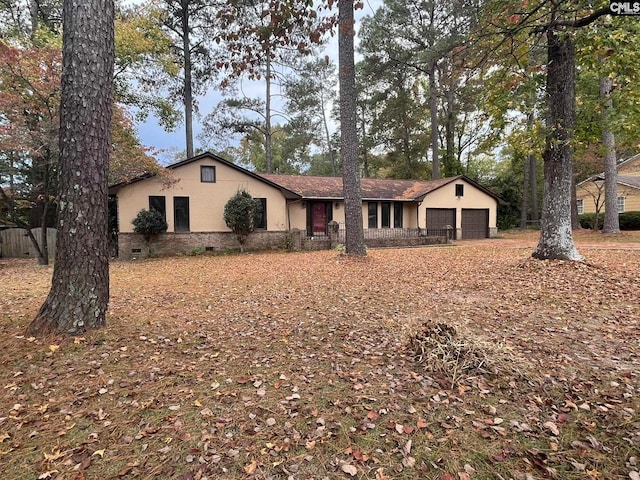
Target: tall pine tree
x=80, y=286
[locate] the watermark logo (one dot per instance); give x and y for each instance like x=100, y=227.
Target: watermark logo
x=624, y=8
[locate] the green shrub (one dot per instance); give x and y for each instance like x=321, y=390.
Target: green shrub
x=149, y=223
x=241, y=214
x=587, y=220
x=628, y=220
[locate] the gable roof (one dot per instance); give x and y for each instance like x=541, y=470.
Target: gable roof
x=632, y=181
x=311, y=187
x=330, y=188
x=287, y=193
x=629, y=162
x=629, y=181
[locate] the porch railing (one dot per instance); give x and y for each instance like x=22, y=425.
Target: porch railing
x=394, y=233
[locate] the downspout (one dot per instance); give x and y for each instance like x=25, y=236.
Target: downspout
x=418, y=215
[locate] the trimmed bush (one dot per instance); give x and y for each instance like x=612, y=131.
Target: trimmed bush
x=149, y=223
x=241, y=214
x=587, y=220
x=628, y=220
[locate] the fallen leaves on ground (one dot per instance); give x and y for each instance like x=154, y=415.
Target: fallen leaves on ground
x=305, y=366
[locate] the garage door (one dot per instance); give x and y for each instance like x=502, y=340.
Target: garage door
x=475, y=223
x=439, y=218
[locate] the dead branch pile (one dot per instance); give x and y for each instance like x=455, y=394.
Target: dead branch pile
x=441, y=349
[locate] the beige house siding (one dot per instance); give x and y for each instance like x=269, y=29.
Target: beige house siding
x=445, y=197
x=588, y=193
x=298, y=214
x=206, y=200
x=630, y=167
x=631, y=198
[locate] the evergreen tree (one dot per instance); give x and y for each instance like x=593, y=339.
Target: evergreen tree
x=80, y=286
x=349, y=131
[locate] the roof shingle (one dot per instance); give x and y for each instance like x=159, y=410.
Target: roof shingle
x=372, y=188
x=629, y=180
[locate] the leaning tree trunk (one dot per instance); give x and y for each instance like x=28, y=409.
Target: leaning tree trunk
x=354, y=244
x=556, y=240
x=611, y=220
x=80, y=286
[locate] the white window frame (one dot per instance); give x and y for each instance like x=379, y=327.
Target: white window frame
x=580, y=206
x=620, y=202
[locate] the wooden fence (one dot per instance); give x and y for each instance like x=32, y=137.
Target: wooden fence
x=15, y=243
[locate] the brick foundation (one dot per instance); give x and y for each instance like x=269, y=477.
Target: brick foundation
x=132, y=245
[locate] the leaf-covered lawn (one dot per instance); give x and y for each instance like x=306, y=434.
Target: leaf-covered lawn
x=314, y=366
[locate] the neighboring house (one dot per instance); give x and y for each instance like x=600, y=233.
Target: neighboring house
x=590, y=192
x=194, y=205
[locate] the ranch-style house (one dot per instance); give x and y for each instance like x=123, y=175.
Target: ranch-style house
x=296, y=208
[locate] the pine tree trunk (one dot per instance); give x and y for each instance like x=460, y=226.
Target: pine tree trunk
x=556, y=240
x=327, y=136
x=348, y=131
x=365, y=151
x=35, y=15
x=188, y=87
x=268, y=155
x=43, y=259
x=452, y=165
x=524, y=208
x=528, y=172
x=433, y=113
x=611, y=221
x=533, y=175
x=80, y=286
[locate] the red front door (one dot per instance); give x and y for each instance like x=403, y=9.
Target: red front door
x=319, y=219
